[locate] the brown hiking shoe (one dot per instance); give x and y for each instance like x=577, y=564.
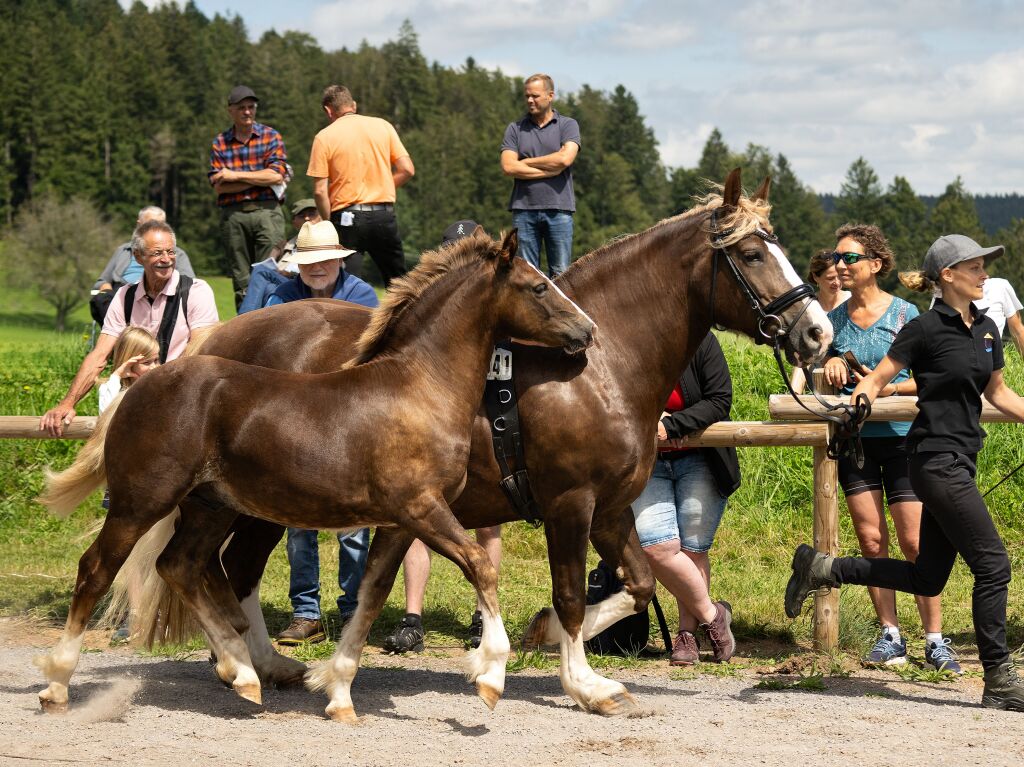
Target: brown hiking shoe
x=719, y=633
x=302, y=630
x=684, y=650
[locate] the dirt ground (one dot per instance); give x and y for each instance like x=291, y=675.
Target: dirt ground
x=420, y=711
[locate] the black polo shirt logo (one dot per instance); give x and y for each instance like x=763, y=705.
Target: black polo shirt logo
x=988, y=342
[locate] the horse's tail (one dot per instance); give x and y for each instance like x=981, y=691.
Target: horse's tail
x=156, y=613
x=65, y=490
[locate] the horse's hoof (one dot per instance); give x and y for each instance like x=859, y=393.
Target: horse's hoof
x=343, y=714
x=250, y=692
x=488, y=694
x=620, y=704
x=535, y=636
x=52, y=706
x=285, y=672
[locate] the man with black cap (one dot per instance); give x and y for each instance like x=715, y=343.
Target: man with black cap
x=248, y=170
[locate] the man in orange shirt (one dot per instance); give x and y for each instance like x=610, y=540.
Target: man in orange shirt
x=356, y=164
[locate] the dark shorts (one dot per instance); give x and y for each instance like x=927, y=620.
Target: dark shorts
x=885, y=467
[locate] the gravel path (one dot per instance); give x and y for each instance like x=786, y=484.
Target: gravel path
x=420, y=711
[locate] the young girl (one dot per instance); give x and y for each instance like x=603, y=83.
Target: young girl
x=135, y=352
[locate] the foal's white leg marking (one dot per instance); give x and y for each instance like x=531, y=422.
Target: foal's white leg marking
x=486, y=664
x=335, y=677
x=591, y=691
x=272, y=667
x=545, y=630
x=559, y=290
x=58, y=667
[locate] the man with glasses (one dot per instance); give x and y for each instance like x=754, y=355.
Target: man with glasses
x=249, y=172
x=162, y=289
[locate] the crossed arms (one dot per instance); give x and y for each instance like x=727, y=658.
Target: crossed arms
x=548, y=166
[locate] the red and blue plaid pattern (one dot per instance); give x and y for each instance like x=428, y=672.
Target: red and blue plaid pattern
x=264, y=149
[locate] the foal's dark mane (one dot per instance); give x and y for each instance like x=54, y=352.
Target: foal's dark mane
x=406, y=290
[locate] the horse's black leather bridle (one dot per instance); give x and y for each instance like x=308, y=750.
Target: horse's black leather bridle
x=771, y=330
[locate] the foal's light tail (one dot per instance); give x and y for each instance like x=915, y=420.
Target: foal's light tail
x=156, y=613
x=65, y=490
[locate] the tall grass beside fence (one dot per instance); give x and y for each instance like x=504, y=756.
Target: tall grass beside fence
x=765, y=519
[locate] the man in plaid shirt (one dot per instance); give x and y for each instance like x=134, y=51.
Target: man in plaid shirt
x=248, y=170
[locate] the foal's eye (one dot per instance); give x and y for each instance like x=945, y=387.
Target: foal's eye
x=540, y=289
x=751, y=255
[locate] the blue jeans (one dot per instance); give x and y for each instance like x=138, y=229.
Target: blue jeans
x=263, y=281
x=304, y=581
x=680, y=502
x=552, y=227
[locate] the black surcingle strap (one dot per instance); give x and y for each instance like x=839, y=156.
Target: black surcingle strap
x=503, y=417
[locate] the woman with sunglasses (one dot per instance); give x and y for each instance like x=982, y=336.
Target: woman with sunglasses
x=866, y=325
x=956, y=355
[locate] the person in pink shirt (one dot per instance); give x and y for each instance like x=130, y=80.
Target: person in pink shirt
x=161, y=288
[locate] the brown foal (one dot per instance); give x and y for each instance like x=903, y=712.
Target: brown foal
x=383, y=442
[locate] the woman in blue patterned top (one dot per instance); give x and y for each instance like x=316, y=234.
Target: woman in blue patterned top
x=866, y=325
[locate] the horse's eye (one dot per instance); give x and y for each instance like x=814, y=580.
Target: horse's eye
x=752, y=256
x=540, y=289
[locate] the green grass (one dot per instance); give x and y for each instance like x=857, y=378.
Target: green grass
x=765, y=519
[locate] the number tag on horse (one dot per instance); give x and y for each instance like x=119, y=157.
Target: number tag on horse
x=501, y=365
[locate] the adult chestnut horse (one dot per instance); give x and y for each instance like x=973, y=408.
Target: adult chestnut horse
x=383, y=442
x=589, y=423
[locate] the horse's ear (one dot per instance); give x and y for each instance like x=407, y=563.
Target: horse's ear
x=733, y=189
x=762, y=191
x=509, y=248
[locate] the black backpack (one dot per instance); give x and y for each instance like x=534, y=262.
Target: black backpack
x=170, y=318
x=630, y=635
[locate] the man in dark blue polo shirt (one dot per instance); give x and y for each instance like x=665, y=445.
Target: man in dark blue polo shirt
x=538, y=152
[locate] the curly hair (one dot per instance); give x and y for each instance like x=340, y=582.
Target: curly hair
x=874, y=242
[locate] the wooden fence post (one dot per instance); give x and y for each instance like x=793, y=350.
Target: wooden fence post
x=826, y=535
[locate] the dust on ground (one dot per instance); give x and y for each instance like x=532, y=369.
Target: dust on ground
x=420, y=711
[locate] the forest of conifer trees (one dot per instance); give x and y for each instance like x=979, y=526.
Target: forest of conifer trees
x=118, y=107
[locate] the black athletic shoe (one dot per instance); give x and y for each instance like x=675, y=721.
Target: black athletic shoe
x=407, y=636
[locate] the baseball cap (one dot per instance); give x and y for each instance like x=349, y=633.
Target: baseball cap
x=950, y=249
x=301, y=205
x=240, y=93
x=458, y=230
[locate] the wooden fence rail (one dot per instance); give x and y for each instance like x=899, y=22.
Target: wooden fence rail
x=724, y=434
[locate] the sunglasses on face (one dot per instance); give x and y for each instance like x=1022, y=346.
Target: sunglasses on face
x=848, y=258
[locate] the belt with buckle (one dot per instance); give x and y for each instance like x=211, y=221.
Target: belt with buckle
x=370, y=206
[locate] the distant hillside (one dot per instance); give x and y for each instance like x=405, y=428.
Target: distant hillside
x=996, y=211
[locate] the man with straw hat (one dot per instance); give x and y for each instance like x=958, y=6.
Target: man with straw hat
x=322, y=274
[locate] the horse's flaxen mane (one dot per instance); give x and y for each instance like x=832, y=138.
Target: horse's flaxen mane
x=748, y=216
x=404, y=290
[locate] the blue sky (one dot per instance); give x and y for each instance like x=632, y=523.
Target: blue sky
x=927, y=89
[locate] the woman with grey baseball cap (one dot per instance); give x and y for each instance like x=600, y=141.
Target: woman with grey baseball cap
x=956, y=356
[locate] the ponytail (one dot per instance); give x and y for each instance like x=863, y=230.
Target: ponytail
x=917, y=281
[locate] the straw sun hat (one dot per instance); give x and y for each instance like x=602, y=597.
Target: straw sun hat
x=316, y=242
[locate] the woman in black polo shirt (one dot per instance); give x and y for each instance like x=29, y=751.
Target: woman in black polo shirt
x=956, y=355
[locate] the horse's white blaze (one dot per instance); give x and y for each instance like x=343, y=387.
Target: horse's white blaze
x=814, y=312
x=486, y=664
x=59, y=665
x=600, y=616
x=558, y=289
x=581, y=683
